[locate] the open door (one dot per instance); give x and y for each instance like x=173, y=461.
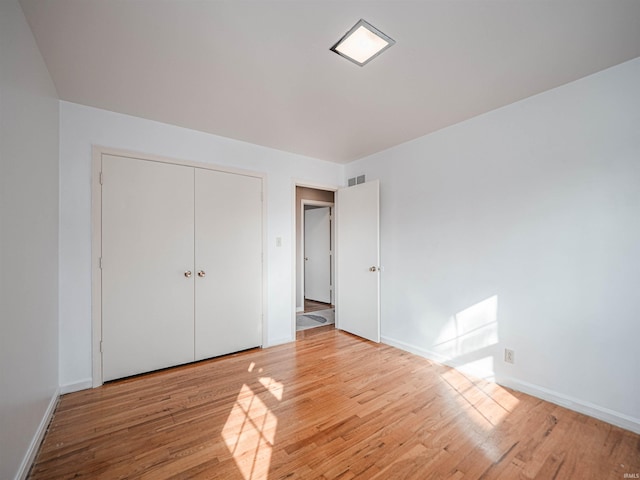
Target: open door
x=317, y=254
x=358, y=260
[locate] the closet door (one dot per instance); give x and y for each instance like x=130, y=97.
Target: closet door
x=228, y=245
x=147, y=246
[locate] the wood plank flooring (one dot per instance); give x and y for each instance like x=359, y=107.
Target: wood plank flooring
x=313, y=306
x=329, y=406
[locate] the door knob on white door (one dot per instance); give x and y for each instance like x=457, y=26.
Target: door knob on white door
x=373, y=269
x=201, y=273
x=187, y=273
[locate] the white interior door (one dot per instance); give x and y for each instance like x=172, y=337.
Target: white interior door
x=147, y=246
x=358, y=260
x=228, y=279
x=317, y=254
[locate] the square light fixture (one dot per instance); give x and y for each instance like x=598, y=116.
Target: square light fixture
x=362, y=43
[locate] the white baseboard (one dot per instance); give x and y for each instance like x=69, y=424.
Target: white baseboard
x=32, y=451
x=76, y=386
x=436, y=357
x=581, y=406
x=279, y=341
x=299, y=309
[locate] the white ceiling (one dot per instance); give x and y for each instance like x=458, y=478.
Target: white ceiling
x=261, y=71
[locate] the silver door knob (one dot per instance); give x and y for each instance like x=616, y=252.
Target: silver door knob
x=306, y=258
x=373, y=269
x=201, y=273
x=187, y=274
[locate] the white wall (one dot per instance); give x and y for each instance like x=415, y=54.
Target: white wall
x=535, y=206
x=80, y=128
x=28, y=242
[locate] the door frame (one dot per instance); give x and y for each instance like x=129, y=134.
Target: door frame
x=96, y=239
x=318, y=203
x=294, y=253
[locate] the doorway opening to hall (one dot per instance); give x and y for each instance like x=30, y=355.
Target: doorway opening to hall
x=315, y=259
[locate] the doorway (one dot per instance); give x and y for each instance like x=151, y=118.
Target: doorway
x=315, y=267
x=355, y=299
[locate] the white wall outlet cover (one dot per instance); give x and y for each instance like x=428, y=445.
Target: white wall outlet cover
x=509, y=356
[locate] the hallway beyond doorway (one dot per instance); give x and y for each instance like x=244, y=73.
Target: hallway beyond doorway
x=313, y=306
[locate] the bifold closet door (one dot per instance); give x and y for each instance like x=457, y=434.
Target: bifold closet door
x=147, y=246
x=228, y=256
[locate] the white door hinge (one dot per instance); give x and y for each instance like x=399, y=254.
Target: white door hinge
x=101, y=179
x=100, y=346
x=100, y=263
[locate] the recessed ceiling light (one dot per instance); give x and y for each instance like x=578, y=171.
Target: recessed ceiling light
x=362, y=43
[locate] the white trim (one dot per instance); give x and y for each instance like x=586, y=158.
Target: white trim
x=32, y=451
x=96, y=240
x=279, y=341
x=175, y=161
x=581, y=406
x=407, y=347
x=436, y=357
x=314, y=185
x=265, y=259
x=76, y=386
x=96, y=275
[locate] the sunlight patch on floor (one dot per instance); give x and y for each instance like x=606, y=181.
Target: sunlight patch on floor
x=487, y=404
x=250, y=430
x=275, y=388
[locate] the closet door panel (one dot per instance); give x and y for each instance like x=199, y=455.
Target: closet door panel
x=229, y=253
x=147, y=245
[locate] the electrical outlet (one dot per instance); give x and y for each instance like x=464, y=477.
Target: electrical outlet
x=509, y=356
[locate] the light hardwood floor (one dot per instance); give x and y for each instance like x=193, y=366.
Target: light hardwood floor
x=329, y=406
x=313, y=306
